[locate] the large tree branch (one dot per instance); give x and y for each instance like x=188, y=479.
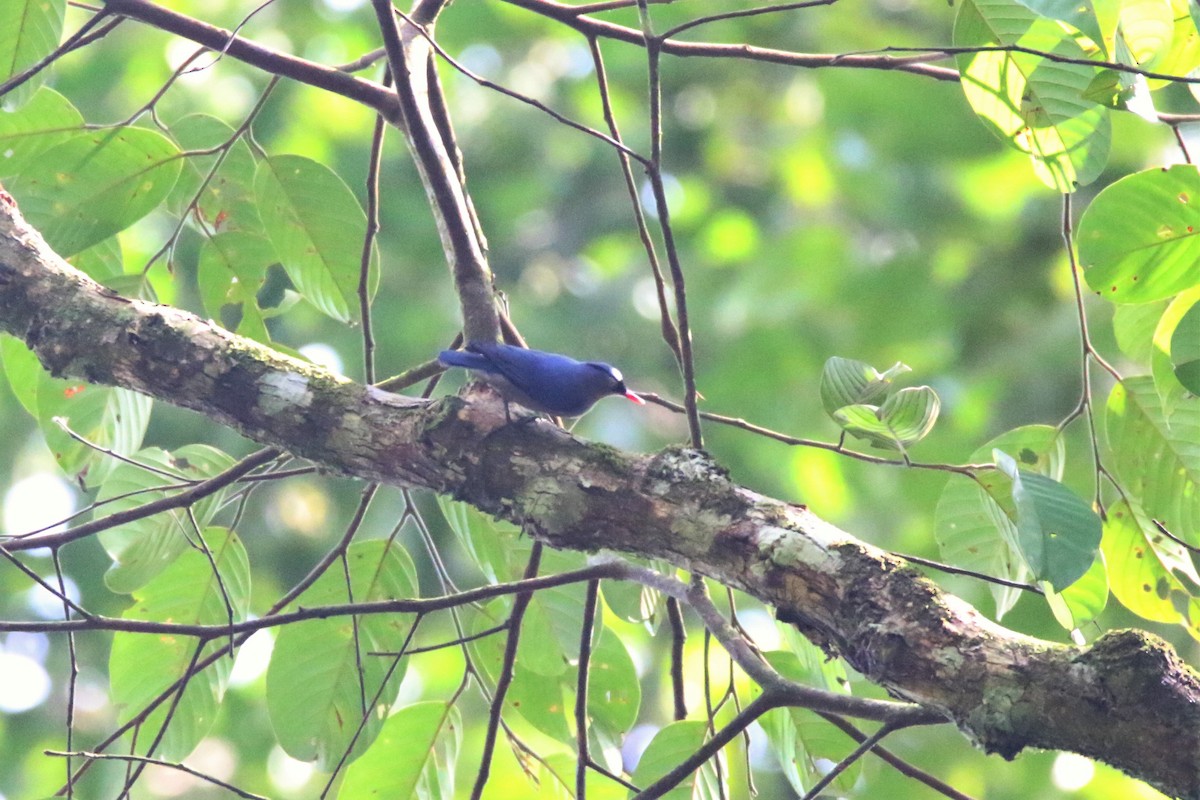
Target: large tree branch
x=1126, y=700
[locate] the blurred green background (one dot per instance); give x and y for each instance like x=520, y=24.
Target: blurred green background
x=864, y=214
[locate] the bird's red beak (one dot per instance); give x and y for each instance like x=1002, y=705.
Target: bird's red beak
x=635, y=398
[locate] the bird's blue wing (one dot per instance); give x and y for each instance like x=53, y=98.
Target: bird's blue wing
x=532, y=371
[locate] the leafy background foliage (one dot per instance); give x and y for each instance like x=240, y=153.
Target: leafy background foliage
x=828, y=220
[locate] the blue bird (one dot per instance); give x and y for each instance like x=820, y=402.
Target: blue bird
x=547, y=382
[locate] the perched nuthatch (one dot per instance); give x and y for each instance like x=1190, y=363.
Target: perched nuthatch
x=548, y=382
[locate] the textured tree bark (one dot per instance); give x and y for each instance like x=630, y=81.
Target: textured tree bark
x=1127, y=700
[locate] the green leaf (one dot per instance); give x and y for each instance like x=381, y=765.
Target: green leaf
x=799, y=738
x=614, y=692
x=903, y=419
x=96, y=184
x=1184, y=53
x=845, y=382
x=142, y=549
x=23, y=371
x=975, y=520
x=232, y=269
x=633, y=602
x=1144, y=566
x=1033, y=104
x=226, y=201
x=46, y=120
x=1058, y=533
x=1134, y=326
x=1170, y=390
x=114, y=419
x=317, y=227
x=414, y=756
x=1138, y=239
x=29, y=31
x=104, y=263
x=314, y=694
x=1185, y=350
x=1156, y=455
x=541, y=700
x=141, y=667
x=1079, y=14
x=1147, y=28
x=1083, y=600
x=670, y=746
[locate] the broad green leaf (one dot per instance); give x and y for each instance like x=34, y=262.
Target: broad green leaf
x=1162, y=368
x=1058, y=533
x=46, y=120
x=1147, y=28
x=96, y=184
x=543, y=701
x=1034, y=104
x=29, y=31
x=845, y=382
x=1185, y=350
x=114, y=419
x=1156, y=455
x=467, y=522
x=231, y=271
x=315, y=693
x=498, y=548
x=550, y=631
x=1184, y=54
x=799, y=738
x=414, y=756
x=1083, y=600
x=1138, y=239
x=225, y=201
x=104, y=263
x=634, y=602
x=1134, y=326
x=141, y=667
x=1144, y=566
x=23, y=371
x=142, y=549
x=614, y=692
x=317, y=227
x=903, y=419
x=671, y=745
x=1079, y=14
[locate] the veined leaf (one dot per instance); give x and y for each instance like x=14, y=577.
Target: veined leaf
x=1139, y=240
x=846, y=382
x=317, y=227
x=1145, y=567
x=315, y=691
x=29, y=31
x=1034, y=104
x=142, y=667
x=671, y=745
x=46, y=120
x=143, y=548
x=904, y=418
x=1156, y=454
x=1185, y=349
x=96, y=184
x=1058, y=533
x=414, y=756
x=975, y=522
x=114, y=419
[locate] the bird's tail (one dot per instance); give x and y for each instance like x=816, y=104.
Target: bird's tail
x=461, y=358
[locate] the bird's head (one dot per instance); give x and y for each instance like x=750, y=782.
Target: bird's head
x=614, y=382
